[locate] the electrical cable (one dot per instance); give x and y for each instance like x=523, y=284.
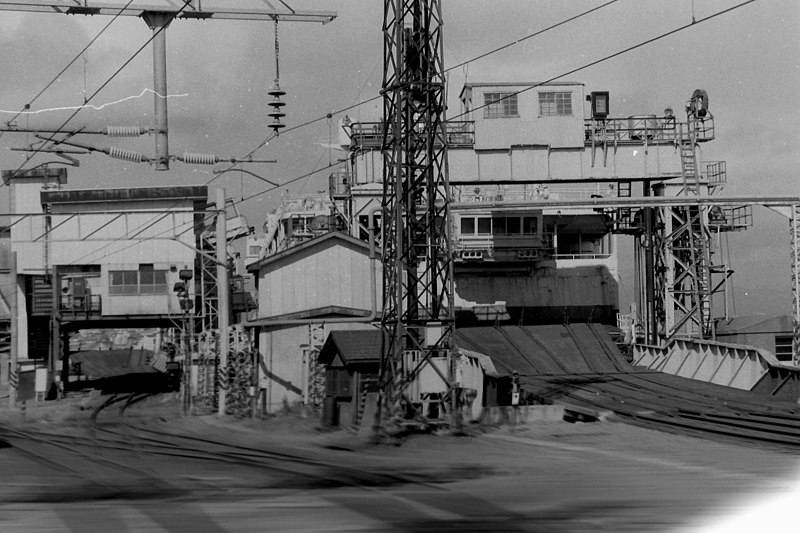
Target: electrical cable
x=544, y=30
x=611, y=56
x=74, y=59
x=150, y=224
x=587, y=65
x=534, y=34
x=578, y=69
x=103, y=86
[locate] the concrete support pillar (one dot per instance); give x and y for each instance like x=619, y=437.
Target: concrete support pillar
x=158, y=22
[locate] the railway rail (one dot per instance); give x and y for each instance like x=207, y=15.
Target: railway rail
x=168, y=454
x=658, y=401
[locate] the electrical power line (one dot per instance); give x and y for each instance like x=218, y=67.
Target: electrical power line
x=611, y=56
x=74, y=59
x=152, y=222
x=537, y=33
x=587, y=65
x=103, y=86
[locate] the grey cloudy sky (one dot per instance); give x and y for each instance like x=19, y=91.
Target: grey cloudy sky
x=748, y=60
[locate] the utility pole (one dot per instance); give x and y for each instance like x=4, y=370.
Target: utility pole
x=158, y=17
x=223, y=290
x=13, y=374
x=418, y=315
x=158, y=22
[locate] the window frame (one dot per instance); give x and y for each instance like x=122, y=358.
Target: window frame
x=560, y=106
x=135, y=282
x=467, y=226
x=500, y=105
x=784, y=342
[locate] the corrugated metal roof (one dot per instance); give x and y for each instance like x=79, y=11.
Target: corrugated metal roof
x=319, y=314
x=361, y=346
x=542, y=350
x=109, y=363
x=187, y=192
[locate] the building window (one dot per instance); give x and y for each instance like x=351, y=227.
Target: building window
x=512, y=226
x=498, y=225
x=500, y=105
x=146, y=280
x=484, y=225
x=301, y=225
x=555, y=104
x=467, y=226
x=783, y=347
x=338, y=381
x=530, y=225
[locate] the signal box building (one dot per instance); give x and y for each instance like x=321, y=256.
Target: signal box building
x=96, y=258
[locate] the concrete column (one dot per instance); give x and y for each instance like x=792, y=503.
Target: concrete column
x=158, y=22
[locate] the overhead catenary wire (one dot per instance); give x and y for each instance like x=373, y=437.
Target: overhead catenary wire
x=572, y=71
x=368, y=100
x=611, y=56
x=74, y=59
x=104, y=84
x=587, y=65
x=152, y=222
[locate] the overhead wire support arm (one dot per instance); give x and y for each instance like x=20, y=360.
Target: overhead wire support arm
x=158, y=17
x=193, y=12
x=111, y=131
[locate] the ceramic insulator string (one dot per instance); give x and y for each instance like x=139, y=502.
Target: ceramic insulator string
x=124, y=131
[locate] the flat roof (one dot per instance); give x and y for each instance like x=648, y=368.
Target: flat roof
x=127, y=194
x=519, y=83
x=469, y=85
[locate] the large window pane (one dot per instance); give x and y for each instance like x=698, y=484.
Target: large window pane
x=498, y=225
x=467, y=226
x=512, y=226
x=484, y=225
x=530, y=225
x=555, y=104
x=500, y=105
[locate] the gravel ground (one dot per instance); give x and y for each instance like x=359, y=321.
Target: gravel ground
x=543, y=476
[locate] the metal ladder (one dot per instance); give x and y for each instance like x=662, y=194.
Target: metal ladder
x=695, y=250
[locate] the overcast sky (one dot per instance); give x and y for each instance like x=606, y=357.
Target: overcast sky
x=219, y=72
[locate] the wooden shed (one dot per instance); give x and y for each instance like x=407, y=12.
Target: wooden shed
x=352, y=360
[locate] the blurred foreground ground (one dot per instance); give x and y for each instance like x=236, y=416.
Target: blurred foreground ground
x=541, y=477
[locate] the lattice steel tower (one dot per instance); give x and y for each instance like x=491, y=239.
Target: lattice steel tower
x=418, y=316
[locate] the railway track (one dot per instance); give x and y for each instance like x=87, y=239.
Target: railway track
x=649, y=400
x=167, y=454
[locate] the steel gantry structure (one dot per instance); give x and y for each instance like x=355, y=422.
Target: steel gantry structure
x=664, y=207
x=418, y=315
